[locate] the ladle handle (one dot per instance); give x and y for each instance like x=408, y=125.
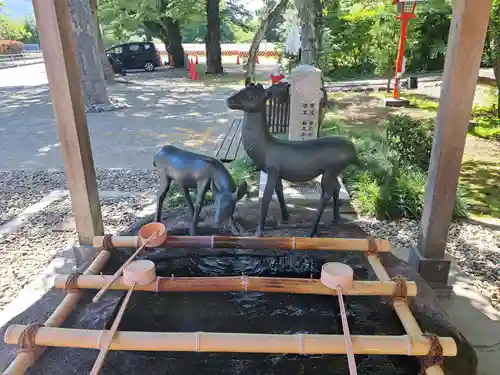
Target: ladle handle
x=347, y=334
x=111, y=333
x=117, y=274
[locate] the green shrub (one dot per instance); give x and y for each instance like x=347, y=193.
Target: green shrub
x=243, y=169
x=365, y=192
x=411, y=139
x=390, y=179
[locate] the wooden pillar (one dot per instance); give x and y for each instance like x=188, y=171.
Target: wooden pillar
x=63, y=74
x=463, y=57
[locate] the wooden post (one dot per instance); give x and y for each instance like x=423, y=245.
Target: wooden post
x=465, y=46
x=64, y=80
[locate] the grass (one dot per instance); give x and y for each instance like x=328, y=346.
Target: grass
x=487, y=127
x=423, y=102
x=480, y=180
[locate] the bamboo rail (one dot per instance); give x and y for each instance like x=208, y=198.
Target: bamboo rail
x=227, y=242
x=239, y=284
x=232, y=342
x=24, y=360
x=404, y=313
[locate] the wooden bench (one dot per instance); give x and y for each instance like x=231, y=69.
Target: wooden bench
x=230, y=147
x=278, y=119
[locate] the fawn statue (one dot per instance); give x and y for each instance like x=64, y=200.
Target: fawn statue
x=294, y=161
x=200, y=172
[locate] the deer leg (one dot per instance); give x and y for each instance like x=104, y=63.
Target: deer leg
x=327, y=185
x=272, y=177
x=187, y=197
x=281, y=199
x=201, y=190
x=162, y=193
x=336, y=201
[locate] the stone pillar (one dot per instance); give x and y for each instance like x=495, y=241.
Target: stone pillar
x=305, y=96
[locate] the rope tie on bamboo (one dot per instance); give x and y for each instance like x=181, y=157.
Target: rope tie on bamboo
x=157, y=284
x=26, y=341
x=107, y=243
x=410, y=345
x=435, y=355
x=71, y=285
x=244, y=280
x=372, y=246
x=197, y=342
x=400, y=292
x=212, y=242
x=300, y=336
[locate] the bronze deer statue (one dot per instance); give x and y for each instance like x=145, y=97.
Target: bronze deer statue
x=200, y=172
x=294, y=161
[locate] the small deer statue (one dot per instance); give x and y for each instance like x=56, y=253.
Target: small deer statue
x=294, y=161
x=200, y=172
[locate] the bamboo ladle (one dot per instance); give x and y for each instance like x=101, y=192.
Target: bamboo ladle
x=154, y=234
x=139, y=272
x=339, y=276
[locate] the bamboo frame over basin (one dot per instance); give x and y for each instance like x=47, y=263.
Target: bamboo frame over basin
x=228, y=242
x=239, y=284
x=232, y=342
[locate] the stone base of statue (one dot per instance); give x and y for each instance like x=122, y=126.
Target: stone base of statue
x=304, y=192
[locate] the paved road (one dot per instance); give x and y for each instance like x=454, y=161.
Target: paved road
x=162, y=110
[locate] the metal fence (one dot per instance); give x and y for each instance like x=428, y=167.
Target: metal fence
x=27, y=58
x=278, y=113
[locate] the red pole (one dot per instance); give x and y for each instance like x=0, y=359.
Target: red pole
x=401, y=53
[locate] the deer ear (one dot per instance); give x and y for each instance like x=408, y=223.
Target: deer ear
x=241, y=190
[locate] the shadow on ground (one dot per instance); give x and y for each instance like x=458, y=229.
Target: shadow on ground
x=161, y=110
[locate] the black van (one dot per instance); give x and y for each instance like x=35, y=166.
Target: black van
x=136, y=55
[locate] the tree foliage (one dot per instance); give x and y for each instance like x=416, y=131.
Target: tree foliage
x=361, y=38
x=12, y=29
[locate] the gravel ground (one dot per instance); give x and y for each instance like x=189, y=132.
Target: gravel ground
x=24, y=254
x=20, y=189
x=476, y=249
x=120, y=179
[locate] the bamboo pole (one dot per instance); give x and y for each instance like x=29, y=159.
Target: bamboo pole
x=404, y=313
x=232, y=342
x=239, y=284
x=24, y=360
x=226, y=242
x=351, y=361
x=111, y=333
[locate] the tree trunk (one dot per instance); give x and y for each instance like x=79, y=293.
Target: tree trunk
x=109, y=75
x=278, y=9
x=494, y=52
x=87, y=53
x=212, y=41
x=388, y=87
x=172, y=31
x=496, y=70
x=307, y=15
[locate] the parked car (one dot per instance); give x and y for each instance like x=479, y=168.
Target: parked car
x=136, y=55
